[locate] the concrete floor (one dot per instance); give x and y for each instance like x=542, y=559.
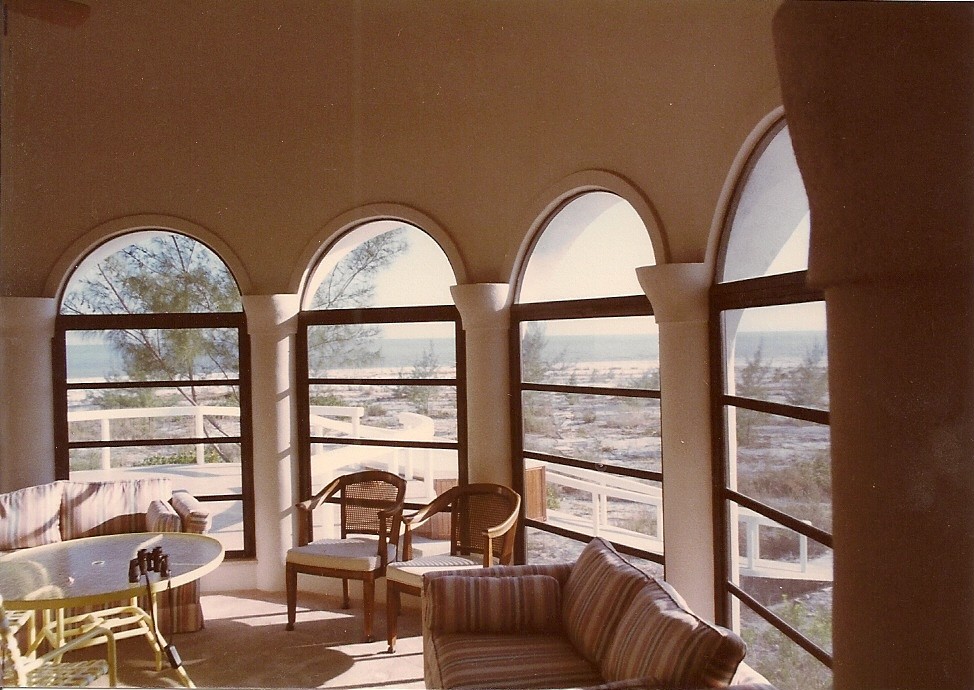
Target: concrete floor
x=245, y=645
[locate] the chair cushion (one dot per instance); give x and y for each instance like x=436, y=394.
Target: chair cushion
x=110, y=507
x=358, y=553
x=194, y=516
x=161, y=517
x=411, y=572
x=31, y=516
x=659, y=638
x=527, y=604
x=468, y=660
x=597, y=593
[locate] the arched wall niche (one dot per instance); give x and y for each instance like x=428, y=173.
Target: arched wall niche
x=103, y=238
x=348, y=221
x=548, y=204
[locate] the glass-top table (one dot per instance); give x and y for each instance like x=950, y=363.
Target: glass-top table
x=94, y=572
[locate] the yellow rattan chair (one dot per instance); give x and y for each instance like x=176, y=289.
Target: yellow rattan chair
x=371, y=509
x=48, y=670
x=480, y=514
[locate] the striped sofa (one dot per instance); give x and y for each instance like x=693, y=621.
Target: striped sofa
x=599, y=622
x=64, y=510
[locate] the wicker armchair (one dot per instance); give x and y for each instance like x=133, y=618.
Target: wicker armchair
x=371, y=508
x=48, y=670
x=480, y=514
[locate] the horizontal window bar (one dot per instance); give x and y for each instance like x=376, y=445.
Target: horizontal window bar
x=146, y=443
x=806, y=414
x=325, y=317
x=186, y=383
x=596, y=466
x=786, y=288
x=382, y=382
x=789, y=521
x=175, y=320
x=632, y=305
x=593, y=390
x=384, y=443
x=781, y=625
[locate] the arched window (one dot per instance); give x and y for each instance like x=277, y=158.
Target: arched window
x=380, y=363
x=772, y=447
x=152, y=374
x=587, y=425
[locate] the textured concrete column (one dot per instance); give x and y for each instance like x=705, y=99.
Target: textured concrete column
x=485, y=313
x=679, y=295
x=879, y=98
x=272, y=323
x=27, y=389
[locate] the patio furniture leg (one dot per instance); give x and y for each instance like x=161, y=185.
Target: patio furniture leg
x=291, y=577
x=392, y=615
x=368, y=593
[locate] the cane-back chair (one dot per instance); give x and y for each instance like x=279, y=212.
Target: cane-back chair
x=483, y=520
x=371, y=510
x=47, y=670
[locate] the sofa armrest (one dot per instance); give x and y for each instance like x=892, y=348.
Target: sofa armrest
x=194, y=516
x=162, y=517
x=559, y=571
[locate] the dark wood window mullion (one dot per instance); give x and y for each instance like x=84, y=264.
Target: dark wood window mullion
x=618, y=470
x=821, y=536
x=592, y=390
x=781, y=625
x=805, y=414
x=583, y=537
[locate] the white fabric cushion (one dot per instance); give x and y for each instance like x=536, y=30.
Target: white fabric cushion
x=411, y=572
x=359, y=553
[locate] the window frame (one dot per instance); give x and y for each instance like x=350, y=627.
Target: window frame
x=377, y=316
x=64, y=323
x=601, y=307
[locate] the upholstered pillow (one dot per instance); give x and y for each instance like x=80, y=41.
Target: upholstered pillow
x=526, y=604
x=659, y=639
x=111, y=507
x=160, y=517
x=598, y=591
x=194, y=516
x=30, y=517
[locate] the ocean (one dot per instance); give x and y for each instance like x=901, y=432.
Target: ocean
x=94, y=360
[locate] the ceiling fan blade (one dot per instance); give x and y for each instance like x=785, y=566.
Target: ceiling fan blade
x=60, y=12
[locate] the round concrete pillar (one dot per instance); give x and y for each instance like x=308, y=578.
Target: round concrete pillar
x=679, y=295
x=879, y=99
x=272, y=323
x=485, y=314
x=27, y=418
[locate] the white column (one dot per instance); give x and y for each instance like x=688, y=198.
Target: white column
x=679, y=295
x=272, y=323
x=27, y=390
x=485, y=313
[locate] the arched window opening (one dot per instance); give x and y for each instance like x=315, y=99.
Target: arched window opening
x=152, y=375
x=380, y=362
x=587, y=424
x=772, y=447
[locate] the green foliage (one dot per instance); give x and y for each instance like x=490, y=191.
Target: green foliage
x=787, y=665
x=552, y=498
x=426, y=367
x=327, y=399
x=807, y=384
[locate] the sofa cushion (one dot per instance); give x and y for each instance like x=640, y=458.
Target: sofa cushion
x=31, y=516
x=526, y=604
x=598, y=591
x=469, y=660
x=660, y=639
x=195, y=517
x=110, y=507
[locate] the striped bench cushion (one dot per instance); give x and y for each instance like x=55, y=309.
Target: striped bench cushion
x=31, y=516
x=111, y=507
x=160, y=517
x=598, y=591
x=195, y=517
x=526, y=604
x=660, y=639
x=470, y=660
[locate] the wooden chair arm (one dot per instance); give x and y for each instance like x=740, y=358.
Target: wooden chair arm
x=306, y=509
x=392, y=515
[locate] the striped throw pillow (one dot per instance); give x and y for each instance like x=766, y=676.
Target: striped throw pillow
x=30, y=517
x=195, y=517
x=598, y=591
x=658, y=638
x=526, y=604
x=160, y=517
